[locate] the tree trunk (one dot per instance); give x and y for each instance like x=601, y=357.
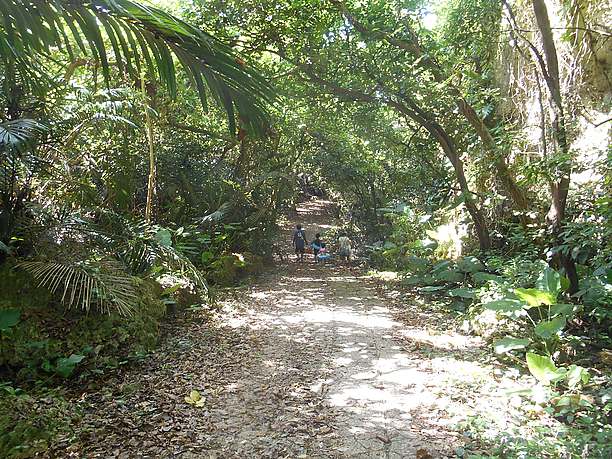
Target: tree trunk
x=449, y=148
x=152, y=165
x=480, y=223
x=503, y=172
x=560, y=186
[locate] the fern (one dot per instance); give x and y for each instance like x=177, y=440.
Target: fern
x=102, y=285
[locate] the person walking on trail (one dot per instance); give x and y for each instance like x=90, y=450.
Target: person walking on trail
x=346, y=250
x=316, y=246
x=299, y=242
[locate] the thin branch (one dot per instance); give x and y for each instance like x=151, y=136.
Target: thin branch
x=533, y=48
x=198, y=130
x=585, y=29
x=603, y=122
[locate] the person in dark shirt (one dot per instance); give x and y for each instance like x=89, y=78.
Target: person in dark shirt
x=299, y=242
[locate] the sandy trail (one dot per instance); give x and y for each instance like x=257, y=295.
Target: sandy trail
x=328, y=332
x=307, y=362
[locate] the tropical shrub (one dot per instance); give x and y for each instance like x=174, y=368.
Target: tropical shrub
x=51, y=343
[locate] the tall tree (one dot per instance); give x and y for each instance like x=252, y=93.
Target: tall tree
x=559, y=186
x=410, y=42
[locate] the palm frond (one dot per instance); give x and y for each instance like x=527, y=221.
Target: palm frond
x=102, y=285
x=19, y=134
x=215, y=216
x=141, y=38
x=17, y=158
x=105, y=107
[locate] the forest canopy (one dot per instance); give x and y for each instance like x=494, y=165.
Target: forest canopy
x=149, y=149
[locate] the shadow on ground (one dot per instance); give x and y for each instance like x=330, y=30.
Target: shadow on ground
x=310, y=361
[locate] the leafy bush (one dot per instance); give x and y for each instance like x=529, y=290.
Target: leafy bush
x=407, y=243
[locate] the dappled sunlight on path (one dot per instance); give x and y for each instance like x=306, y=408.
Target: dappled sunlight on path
x=309, y=361
x=362, y=373
x=352, y=355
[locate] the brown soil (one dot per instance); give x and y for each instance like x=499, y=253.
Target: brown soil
x=309, y=361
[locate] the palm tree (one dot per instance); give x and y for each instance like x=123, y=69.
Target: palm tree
x=142, y=39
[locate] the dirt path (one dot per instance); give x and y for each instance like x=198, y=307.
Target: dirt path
x=308, y=362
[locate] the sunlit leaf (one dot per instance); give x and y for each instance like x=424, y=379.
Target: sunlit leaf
x=543, y=368
x=508, y=344
x=549, y=281
x=535, y=297
x=433, y=288
x=576, y=375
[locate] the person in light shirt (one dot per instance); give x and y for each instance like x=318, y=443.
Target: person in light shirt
x=345, y=251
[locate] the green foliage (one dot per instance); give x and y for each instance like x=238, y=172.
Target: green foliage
x=462, y=292
x=47, y=343
x=589, y=433
x=30, y=423
x=543, y=368
x=18, y=135
x=9, y=318
x=596, y=295
x=369, y=95
x=101, y=285
x=535, y=297
x=470, y=265
x=138, y=36
x=64, y=366
x=504, y=305
x=537, y=309
x=94, y=264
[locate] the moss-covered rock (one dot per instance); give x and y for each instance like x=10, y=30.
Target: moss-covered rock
x=230, y=269
x=47, y=335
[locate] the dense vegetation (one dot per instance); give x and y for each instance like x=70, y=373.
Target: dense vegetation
x=147, y=153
